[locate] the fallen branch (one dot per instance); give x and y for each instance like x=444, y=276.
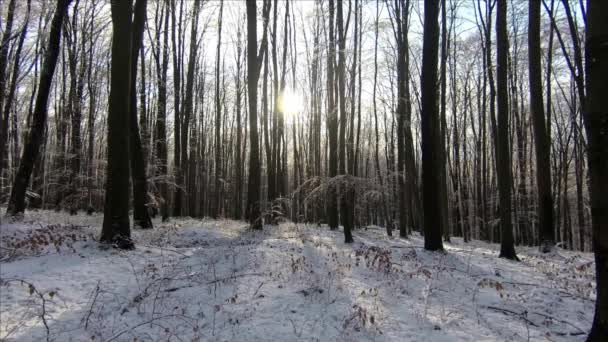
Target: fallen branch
x=219, y=280
x=139, y=325
x=521, y=315
x=86, y=320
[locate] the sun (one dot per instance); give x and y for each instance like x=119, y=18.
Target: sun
x=291, y=102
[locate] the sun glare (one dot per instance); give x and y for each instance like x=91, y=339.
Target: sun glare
x=291, y=102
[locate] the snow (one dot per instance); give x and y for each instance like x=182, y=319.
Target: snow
x=216, y=280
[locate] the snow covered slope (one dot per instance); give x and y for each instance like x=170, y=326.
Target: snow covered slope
x=192, y=280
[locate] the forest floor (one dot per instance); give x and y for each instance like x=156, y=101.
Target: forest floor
x=216, y=280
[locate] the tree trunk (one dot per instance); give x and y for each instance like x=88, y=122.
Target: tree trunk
x=253, y=193
x=345, y=191
x=332, y=124
x=595, y=119
x=4, y=49
x=503, y=166
x=541, y=141
x=116, y=227
x=31, y=150
x=238, y=168
x=217, y=193
x=141, y=218
x=430, y=129
x=160, y=135
x=176, y=43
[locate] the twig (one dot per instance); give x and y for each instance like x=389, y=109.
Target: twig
x=258, y=289
x=86, y=323
x=523, y=316
x=559, y=320
x=33, y=290
x=518, y=314
x=139, y=325
x=219, y=280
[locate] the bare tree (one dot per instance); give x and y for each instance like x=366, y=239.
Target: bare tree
x=16, y=204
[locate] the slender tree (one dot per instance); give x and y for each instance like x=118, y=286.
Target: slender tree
x=332, y=123
x=188, y=106
x=141, y=218
x=254, y=63
x=34, y=140
x=503, y=166
x=217, y=200
x=541, y=140
x=346, y=194
x=238, y=160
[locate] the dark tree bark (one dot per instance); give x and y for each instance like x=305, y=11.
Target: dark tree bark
x=346, y=210
x=430, y=129
x=188, y=107
x=116, y=225
x=596, y=126
x=141, y=218
x=383, y=208
x=541, y=140
x=238, y=167
x=75, y=51
x=31, y=150
x=160, y=135
x=4, y=49
x=442, y=101
x=217, y=194
x=10, y=96
x=332, y=123
x=176, y=44
x=400, y=28
x=503, y=167
x=253, y=193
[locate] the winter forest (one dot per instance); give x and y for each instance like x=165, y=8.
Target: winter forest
x=392, y=170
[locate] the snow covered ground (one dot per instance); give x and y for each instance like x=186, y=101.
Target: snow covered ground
x=192, y=280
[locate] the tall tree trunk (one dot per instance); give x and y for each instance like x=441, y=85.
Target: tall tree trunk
x=176, y=42
x=401, y=14
x=541, y=141
x=503, y=167
x=430, y=129
x=595, y=119
x=384, y=206
x=238, y=168
x=443, y=79
x=116, y=227
x=188, y=107
x=4, y=49
x=8, y=101
x=141, y=218
x=345, y=193
x=253, y=211
x=332, y=124
x=160, y=135
x=31, y=150
x=217, y=193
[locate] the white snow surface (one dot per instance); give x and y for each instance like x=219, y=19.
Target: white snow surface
x=216, y=280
